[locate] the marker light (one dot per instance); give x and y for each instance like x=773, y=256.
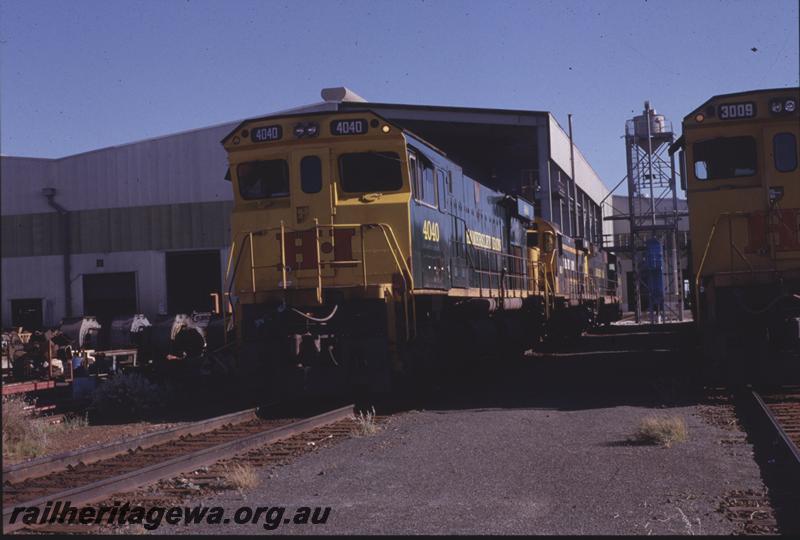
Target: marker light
x=699, y=117
x=386, y=129
x=310, y=129
x=790, y=105
x=776, y=107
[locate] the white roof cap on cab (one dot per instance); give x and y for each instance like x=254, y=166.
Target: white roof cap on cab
x=340, y=93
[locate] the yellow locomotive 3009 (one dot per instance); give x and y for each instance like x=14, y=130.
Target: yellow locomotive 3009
x=740, y=158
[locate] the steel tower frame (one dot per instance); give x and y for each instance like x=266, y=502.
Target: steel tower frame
x=653, y=210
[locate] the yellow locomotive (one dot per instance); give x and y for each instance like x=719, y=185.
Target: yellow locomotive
x=740, y=160
x=361, y=251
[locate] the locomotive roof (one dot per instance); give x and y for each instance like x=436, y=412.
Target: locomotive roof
x=736, y=94
x=402, y=129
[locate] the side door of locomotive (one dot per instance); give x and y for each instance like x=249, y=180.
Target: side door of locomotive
x=311, y=199
x=782, y=184
x=459, y=274
x=429, y=253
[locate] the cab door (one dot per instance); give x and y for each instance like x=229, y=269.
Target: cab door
x=782, y=188
x=310, y=200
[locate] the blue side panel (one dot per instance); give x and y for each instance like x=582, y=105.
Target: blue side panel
x=461, y=241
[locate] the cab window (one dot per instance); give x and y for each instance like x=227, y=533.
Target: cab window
x=549, y=243
x=442, y=186
x=263, y=179
x=784, y=148
x=533, y=239
x=424, y=181
x=311, y=174
x=370, y=172
x=428, y=184
x=725, y=157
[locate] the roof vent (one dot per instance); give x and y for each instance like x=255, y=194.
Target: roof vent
x=340, y=93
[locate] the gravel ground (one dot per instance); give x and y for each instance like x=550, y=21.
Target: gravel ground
x=509, y=471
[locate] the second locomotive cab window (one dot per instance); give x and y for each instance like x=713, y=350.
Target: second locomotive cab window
x=311, y=174
x=784, y=147
x=263, y=179
x=725, y=157
x=428, y=192
x=370, y=172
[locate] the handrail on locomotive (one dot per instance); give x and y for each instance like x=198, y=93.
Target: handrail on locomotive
x=400, y=262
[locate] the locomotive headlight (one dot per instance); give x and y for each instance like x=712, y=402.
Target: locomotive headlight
x=699, y=117
x=385, y=128
x=790, y=105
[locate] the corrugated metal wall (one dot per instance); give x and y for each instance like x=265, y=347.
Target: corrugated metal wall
x=183, y=168
x=139, y=228
x=128, y=205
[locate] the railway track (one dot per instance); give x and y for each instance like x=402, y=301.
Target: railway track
x=772, y=421
x=782, y=408
x=101, y=473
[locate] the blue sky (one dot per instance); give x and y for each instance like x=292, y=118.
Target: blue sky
x=75, y=76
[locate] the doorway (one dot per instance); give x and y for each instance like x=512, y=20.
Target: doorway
x=192, y=276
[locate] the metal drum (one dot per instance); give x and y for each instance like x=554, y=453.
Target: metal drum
x=128, y=331
x=177, y=336
x=82, y=331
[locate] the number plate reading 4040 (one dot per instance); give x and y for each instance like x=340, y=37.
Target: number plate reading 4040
x=266, y=133
x=430, y=231
x=734, y=111
x=348, y=127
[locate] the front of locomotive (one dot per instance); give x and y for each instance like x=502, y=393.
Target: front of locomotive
x=318, y=272
x=743, y=190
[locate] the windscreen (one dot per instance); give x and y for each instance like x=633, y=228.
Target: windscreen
x=263, y=179
x=725, y=157
x=370, y=172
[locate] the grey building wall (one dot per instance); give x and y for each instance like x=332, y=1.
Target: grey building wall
x=129, y=205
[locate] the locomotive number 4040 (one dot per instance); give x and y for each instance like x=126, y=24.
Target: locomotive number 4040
x=430, y=231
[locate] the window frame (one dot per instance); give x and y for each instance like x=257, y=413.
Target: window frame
x=286, y=170
x=775, y=151
x=342, y=180
x=751, y=139
x=303, y=177
x=421, y=165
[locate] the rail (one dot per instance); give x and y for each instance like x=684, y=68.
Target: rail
x=170, y=467
x=48, y=464
x=778, y=428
